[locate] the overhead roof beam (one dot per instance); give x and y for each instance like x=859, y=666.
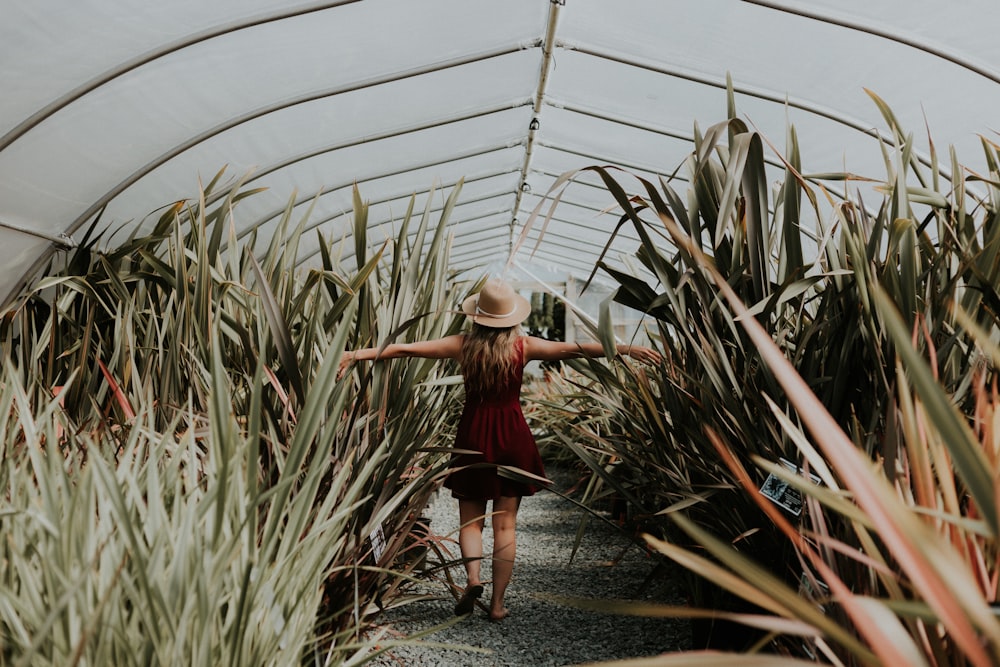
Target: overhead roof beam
x=454, y=221
x=278, y=106
x=574, y=250
x=623, y=232
x=489, y=254
x=575, y=246
x=452, y=228
x=594, y=186
x=603, y=158
x=472, y=200
x=610, y=118
x=899, y=38
x=621, y=120
x=63, y=101
x=412, y=234
x=64, y=241
x=766, y=95
x=674, y=176
x=548, y=45
x=556, y=259
x=391, y=134
x=476, y=237
x=496, y=194
x=560, y=260
x=372, y=177
x=455, y=255
x=590, y=156
x=567, y=242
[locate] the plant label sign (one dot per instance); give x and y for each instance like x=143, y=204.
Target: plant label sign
x=377, y=539
x=781, y=493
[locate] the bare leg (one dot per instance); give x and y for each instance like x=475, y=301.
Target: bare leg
x=472, y=515
x=504, y=550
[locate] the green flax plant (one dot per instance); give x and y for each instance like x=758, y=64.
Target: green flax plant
x=925, y=547
x=645, y=430
x=801, y=310
x=187, y=479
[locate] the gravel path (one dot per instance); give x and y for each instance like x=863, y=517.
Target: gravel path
x=541, y=630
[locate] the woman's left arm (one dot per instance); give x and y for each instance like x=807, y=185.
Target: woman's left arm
x=448, y=347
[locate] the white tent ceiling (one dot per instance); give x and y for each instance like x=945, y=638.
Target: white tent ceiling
x=125, y=104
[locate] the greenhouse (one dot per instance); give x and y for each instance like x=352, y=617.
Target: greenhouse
x=744, y=253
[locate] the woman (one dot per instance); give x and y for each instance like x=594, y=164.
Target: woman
x=492, y=356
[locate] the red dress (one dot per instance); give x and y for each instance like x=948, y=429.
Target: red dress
x=494, y=426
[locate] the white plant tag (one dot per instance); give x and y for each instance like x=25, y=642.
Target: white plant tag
x=781, y=493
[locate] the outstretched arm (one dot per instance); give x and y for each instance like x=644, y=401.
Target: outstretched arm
x=550, y=350
x=440, y=348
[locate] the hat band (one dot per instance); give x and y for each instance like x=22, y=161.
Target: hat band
x=480, y=311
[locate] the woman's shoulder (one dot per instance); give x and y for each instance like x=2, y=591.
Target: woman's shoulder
x=525, y=345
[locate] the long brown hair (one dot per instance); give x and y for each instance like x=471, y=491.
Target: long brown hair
x=488, y=356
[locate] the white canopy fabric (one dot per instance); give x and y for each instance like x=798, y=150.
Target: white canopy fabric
x=125, y=105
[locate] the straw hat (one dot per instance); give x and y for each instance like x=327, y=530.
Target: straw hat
x=496, y=305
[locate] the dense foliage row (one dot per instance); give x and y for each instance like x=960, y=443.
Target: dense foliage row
x=856, y=343
x=185, y=479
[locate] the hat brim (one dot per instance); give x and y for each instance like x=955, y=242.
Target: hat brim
x=522, y=308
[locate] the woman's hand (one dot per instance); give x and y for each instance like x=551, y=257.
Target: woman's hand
x=646, y=355
x=346, y=360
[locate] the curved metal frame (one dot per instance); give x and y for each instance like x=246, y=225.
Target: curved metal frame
x=93, y=84
x=549, y=43
x=897, y=37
